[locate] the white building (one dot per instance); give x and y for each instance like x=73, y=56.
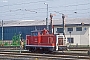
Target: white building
x=76, y=29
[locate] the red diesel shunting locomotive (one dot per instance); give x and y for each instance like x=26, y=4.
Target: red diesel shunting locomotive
x=43, y=41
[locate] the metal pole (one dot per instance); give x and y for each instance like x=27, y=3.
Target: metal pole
x=46, y=24
x=47, y=18
x=51, y=24
x=80, y=37
x=63, y=24
x=2, y=30
x=20, y=41
x=70, y=38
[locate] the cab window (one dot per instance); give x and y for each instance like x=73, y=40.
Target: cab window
x=35, y=34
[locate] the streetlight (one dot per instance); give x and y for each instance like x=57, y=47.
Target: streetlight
x=2, y=25
x=2, y=21
x=47, y=16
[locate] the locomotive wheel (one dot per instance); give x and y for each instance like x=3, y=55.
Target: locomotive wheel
x=33, y=49
x=47, y=50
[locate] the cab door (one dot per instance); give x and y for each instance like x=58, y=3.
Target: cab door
x=59, y=41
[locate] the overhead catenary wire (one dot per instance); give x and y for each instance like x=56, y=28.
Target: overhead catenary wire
x=31, y=10
x=69, y=14
x=44, y=12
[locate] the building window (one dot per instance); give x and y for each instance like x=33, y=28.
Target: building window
x=78, y=28
x=70, y=40
x=70, y=29
x=59, y=30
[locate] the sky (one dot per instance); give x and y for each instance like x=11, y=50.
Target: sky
x=37, y=10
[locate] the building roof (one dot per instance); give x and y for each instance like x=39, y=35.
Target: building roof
x=43, y=22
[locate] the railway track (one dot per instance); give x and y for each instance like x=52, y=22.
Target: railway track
x=12, y=54
x=37, y=55
x=47, y=56
x=79, y=53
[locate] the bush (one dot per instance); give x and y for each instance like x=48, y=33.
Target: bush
x=6, y=43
